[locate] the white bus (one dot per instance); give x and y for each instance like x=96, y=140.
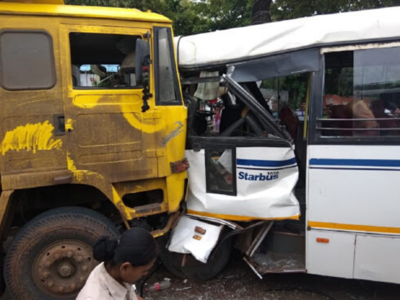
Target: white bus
x=344, y=221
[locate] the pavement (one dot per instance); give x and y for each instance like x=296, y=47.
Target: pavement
x=238, y=282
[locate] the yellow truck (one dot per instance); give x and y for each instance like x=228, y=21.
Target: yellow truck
x=97, y=137
x=93, y=130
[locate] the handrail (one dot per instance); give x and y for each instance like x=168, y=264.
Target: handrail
x=357, y=119
x=358, y=129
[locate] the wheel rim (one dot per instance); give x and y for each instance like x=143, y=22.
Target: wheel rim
x=61, y=269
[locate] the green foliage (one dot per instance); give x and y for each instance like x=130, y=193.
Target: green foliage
x=291, y=9
x=189, y=17
x=140, y=4
x=192, y=18
x=296, y=85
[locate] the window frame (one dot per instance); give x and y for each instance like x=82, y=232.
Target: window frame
x=316, y=107
x=96, y=29
x=52, y=59
x=207, y=149
x=97, y=88
x=178, y=96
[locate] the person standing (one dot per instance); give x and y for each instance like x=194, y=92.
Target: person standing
x=301, y=112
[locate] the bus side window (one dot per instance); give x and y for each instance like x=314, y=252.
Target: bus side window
x=362, y=93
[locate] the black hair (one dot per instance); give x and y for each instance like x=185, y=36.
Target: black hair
x=136, y=246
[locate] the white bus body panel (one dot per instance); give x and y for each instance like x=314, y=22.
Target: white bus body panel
x=269, y=198
x=354, y=190
x=335, y=258
x=377, y=258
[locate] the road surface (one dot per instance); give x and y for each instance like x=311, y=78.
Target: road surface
x=239, y=282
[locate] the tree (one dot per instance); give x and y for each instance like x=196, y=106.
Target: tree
x=189, y=17
x=291, y=9
x=261, y=12
x=182, y=12
x=144, y=5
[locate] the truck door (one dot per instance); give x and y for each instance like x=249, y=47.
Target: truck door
x=106, y=129
x=354, y=165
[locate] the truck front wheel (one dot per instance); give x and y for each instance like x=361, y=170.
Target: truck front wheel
x=51, y=257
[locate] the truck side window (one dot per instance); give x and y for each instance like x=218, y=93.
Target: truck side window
x=362, y=93
x=166, y=77
x=26, y=60
x=103, y=61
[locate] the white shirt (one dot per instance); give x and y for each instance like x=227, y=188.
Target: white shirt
x=101, y=286
x=300, y=114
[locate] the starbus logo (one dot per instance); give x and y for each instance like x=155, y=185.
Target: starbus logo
x=260, y=177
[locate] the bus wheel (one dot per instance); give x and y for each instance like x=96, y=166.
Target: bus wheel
x=51, y=257
x=193, y=268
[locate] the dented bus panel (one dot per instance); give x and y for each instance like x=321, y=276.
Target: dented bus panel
x=343, y=144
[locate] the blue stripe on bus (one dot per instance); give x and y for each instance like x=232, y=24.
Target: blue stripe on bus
x=266, y=163
x=355, y=162
x=353, y=169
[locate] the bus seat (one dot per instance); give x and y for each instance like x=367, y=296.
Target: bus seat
x=342, y=112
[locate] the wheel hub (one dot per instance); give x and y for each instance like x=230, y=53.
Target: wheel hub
x=62, y=268
x=65, y=269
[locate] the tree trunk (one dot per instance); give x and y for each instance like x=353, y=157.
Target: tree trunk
x=261, y=11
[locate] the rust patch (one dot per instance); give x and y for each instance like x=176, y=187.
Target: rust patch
x=197, y=237
x=148, y=209
x=179, y=166
x=183, y=260
x=172, y=221
x=200, y=230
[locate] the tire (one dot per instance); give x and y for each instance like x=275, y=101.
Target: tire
x=51, y=257
x=172, y=261
x=194, y=269
x=2, y=282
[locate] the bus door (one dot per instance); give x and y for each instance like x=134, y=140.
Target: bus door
x=354, y=165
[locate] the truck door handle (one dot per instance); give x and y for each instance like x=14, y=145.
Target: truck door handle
x=59, y=124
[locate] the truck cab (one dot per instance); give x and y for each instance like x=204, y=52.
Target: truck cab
x=93, y=130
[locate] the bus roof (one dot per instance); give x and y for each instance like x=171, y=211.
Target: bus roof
x=57, y=8
x=239, y=44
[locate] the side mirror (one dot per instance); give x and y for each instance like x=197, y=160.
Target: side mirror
x=142, y=53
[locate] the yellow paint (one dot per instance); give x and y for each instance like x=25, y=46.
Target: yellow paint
x=31, y=137
x=123, y=209
x=69, y=125
x=91, y=99
x=351, y=227
x=78, y=175
x=70, y=163
x=146, y=126
x=81, y=11
x=238, y=218
x=175, y=190
x=130, y=110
